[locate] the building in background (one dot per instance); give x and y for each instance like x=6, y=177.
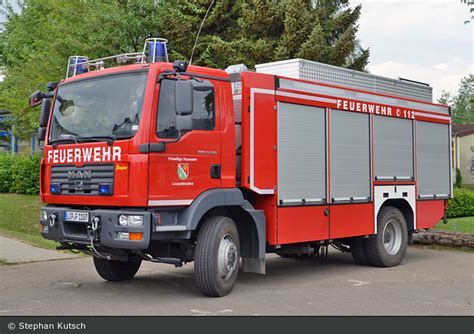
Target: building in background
x=10, y=143
x=463, y=152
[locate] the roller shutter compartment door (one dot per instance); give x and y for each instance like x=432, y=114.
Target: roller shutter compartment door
x=301, y=154
x=349, y=157
x=393, y=149
x=432, y=151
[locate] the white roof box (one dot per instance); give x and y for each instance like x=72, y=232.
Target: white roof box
x=319, y=72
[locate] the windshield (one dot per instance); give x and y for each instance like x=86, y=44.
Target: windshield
x=108, y=107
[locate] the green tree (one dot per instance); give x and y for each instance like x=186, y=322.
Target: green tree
x=36, y=42
x=258, y=31
x=462, y=104
x=470, y=5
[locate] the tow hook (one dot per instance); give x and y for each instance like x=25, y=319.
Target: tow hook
x=52, y=220
x=93, y=228
x=92, y=234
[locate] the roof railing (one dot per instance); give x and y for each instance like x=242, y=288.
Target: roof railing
x=154, y=50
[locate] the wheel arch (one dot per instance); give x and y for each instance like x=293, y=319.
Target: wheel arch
x=405, y=208
x=250, y=223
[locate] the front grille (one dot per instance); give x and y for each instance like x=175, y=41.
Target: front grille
x=82, y=180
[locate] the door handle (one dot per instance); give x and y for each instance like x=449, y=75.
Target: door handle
x=216, y=171
x=152, y=147
x=326, y=212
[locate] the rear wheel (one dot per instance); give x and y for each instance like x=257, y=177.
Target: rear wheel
x=388, y=247
x=216, y=260
x=358, y=251
x=115, y=271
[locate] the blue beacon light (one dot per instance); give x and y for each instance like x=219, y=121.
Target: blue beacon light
x=157, y=51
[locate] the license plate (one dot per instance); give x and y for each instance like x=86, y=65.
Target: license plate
x=76, y=216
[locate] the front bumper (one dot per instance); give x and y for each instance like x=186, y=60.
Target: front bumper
x=107, y=232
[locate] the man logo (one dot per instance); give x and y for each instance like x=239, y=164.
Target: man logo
x=183, y=171
x=79, y=185
x=77, y=174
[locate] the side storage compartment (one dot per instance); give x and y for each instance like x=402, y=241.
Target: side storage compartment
x=350, y=174
x=302, y=185
x=393, y=149
x=433, y=167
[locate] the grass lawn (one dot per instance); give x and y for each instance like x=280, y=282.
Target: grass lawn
x=19, y=216
x=464, y=224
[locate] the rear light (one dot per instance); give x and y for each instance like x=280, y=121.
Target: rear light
x=54, y=188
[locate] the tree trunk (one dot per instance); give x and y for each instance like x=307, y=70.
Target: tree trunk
x=444, y=238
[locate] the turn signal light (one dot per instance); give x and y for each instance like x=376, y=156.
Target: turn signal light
x=137, y=236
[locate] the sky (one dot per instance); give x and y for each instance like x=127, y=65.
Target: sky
x=422, y=40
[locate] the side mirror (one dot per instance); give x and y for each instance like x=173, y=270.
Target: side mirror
x=183, y=97
x=184, y=123
x=203, y=86
x=45, y=111
x=41, y=134
x=52, y=86
x=35, y=99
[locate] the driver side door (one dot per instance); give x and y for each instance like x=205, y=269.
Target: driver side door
x=190, y=162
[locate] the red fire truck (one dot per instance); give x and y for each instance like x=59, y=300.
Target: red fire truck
x=170, y=163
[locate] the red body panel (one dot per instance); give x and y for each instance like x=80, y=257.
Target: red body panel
x=429, y=213
x=268, y=204
x=303, y=223
x=349, y=220
x=258, y=134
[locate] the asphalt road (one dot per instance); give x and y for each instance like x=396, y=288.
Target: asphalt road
x=428, y=282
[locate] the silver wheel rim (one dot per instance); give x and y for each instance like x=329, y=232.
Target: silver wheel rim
x=392, y=237
x=227, y=257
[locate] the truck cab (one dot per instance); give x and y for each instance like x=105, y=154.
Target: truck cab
x=137, y=158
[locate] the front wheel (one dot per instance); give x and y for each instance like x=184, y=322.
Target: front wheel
x=116, y=271
x=388, y=247
x=216, y=260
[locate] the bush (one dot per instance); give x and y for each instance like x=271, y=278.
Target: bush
x=19, y=173
x=458, y=178
x=462, y=205
x=6, y=163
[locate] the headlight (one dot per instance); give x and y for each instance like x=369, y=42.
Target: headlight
x=44, y=215
x=123, y=220
x=131, y=220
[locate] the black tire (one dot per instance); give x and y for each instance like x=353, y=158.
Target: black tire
x=375, y=249
x=209, y=279
x=358, y=252
x=116, y=271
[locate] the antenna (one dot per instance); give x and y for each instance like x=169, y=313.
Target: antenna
x=199, y=32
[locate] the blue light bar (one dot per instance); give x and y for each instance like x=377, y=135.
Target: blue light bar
x=78, y=65
x=104, y=189
x=157, y=50
x=54, y=188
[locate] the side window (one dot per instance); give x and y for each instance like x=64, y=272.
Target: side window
x=203, y=110
x=203, y=115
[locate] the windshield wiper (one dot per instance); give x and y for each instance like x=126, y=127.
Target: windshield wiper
x=56, y=142
x=108, y=138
